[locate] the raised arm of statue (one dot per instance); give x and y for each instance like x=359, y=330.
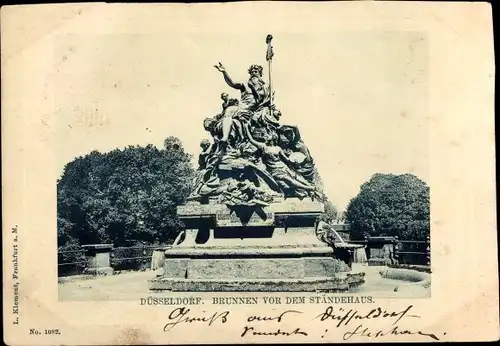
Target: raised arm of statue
x=229, y=81
x=251, y=139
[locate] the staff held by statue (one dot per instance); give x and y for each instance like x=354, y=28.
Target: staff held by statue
x=269, y=58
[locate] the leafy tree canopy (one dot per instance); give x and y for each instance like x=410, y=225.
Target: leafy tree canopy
x=391, y=205
x=123, y=196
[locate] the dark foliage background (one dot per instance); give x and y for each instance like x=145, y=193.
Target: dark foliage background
x=124, y=197
x=391, y=205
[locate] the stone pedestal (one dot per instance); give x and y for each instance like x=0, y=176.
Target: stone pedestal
x=346, y=252
x=158, y=260
x=98, y=259
x=252, y=249
x=381, y=251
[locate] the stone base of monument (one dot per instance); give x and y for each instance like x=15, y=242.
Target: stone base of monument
x=268, y=249
x=379, y=262
x=98, y=259
x=102, y=271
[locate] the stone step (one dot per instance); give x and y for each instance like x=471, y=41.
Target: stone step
x=314, y=284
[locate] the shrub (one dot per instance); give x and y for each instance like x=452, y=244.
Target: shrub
x=390, y=205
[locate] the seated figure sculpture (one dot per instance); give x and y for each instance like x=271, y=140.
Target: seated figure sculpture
x=204, y=181
x=272, y=157
x=297, y=155
x=226, y=127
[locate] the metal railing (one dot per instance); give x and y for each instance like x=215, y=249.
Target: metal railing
x=408, y=252
x=413, y=252
x=73, y=262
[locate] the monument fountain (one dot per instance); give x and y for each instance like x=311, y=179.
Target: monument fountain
x=250, y=219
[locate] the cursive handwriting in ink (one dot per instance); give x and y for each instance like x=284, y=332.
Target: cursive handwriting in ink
x=251, y=331
x=180, y=315
x=396, y=330
x=269, y=318
x=344, y=318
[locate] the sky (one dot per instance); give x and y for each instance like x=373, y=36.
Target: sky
x=359, y=98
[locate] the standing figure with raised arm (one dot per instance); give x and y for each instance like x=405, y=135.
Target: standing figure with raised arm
x=254, y=93
x=253, y=101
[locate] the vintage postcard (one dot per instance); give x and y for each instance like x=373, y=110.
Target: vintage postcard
x=251, y=172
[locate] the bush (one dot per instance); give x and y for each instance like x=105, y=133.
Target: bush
x=123, y=196
x=390, y=205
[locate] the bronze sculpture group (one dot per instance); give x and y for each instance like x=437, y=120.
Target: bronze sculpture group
x=252, y=159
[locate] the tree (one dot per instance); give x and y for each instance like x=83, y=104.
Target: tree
x=391, y=205
x=330, y=213
x=172, y=143
x=123, y=196
x=330, y=210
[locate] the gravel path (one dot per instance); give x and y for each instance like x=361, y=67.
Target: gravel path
x=133, y=285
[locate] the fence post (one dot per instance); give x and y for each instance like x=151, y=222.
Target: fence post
x=98, y=256
x=365, y=244
x=397, y=244
x=428, y=250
